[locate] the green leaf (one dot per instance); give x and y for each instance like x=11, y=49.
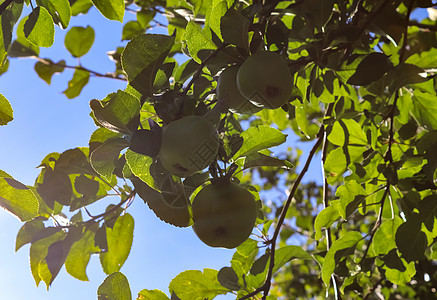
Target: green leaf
x=110, y=9
x=198, y=41
x=37, y=254
x=76, y=84
x=55, y=187
x=8, y=18
x=118, y=112
x=80, y=7
x=114, y=287
x=228, y=278
x=79, y=40
x=425, y=109
x=152, y=295
x=347, y=132
x=351, y=195
x=325, y=218
x=104, y=158
x=243, y=258
x=6, y=111
x=59, y=10
x=347, y=241
x=132, y=29
x=370, y=69
x=384, y=239
x=80, y=254
x=428, y=211
x=27, y=232
x=261, y=160
x=338, y=161
x=140, y=166
x=258, y=138
x=119, y=239
x=404, y=74
x=39, y=29
x=171, y=206
x=195, y=285
x=18, y=199
x=410, y=240
x=401, y=277
x=46, y=70
x=235, y=28
x=287, y=253
x=215, y=13
x=57, y=254
x=142, y=57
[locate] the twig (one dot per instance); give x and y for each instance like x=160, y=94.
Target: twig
x=375, y=286
x=265, y=288
x=378, y=221
x=431, y=27
x=202, y=65
x=389, y=155
x=5, y=5
x=97, y=74
x=335, y=283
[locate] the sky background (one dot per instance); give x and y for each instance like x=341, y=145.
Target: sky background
x=46, y=121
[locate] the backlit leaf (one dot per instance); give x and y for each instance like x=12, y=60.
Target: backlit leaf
x=259, y=138
x=76, y=84
x=59, y=10
x=110, y=9
x=114, y=287
x=142, y=57
x=348, y=240
x=6, y=111
x=39, y=29
x=195, y=285
x=18, y=199
x=79, y=40
x=119, y=239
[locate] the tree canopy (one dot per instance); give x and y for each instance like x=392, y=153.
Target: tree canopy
x=353, y=79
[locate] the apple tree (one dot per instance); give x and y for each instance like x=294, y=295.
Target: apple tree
x=193, y=136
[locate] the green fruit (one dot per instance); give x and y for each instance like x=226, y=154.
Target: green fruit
x=264, y=78
x=188, y=145
x=227, y=90
x=224, y=215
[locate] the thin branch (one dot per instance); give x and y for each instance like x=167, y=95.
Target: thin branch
x=388, y=155
x=335, y=283
x=431, y=27
x=202, y=65
x=5, y=5
x=265, y=288
x=378, y=220
x=97, y=74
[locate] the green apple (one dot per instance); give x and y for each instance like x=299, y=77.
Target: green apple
x=224, y=214
x=227, y=90
x=264, y=78
x=188, y=145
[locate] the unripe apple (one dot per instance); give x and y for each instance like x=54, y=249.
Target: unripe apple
x=264, y=78
x=227, y=90
x=188, y=145
x=224, y=214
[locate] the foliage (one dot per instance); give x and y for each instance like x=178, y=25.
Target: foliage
x=364, y=95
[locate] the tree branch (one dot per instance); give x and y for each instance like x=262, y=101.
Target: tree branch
x=97, y=74
x=5, y=5
x=335, y=283
x=265, y=288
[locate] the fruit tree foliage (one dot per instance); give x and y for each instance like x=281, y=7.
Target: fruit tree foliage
x=360, y=89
